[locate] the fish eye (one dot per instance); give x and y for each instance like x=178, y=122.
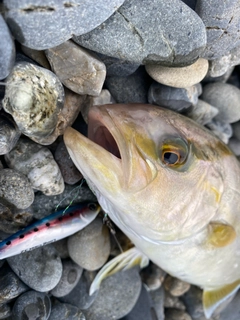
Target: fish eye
x=92, y=206
x=174, y=152
x=170, y=158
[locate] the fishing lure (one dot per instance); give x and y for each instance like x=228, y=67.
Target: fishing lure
x=56, y=226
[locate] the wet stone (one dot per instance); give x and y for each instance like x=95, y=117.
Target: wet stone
x=222, y=130
x=65, y=311
x=40, y=269
x=34, y=97
x=70, y=276
x=83, y=72
x=141, y=33
x=175, y=286
x=9, y=133
x=90, y=247
x=174, y=314
x=176, y=99
x=7, y=50
x=15, y=189
x=32, y=305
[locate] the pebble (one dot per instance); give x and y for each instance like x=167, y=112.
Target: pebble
x=55, y=21
x=173, y=302
x=40, y=269
x=234, y=145
x=15, y=189
x=7, y=49
x=222, y=130
x=222, y=25
x=176, y=99
x=90, y=247
x=157, y=297
x=193, y=302
x=175, y=286
x=34, y=97
x=69, y=172
x=37, y=56
x=32, y=305
x=226, y=98
x=9, y=133
x=174, y=314
x=70, y=276
x=38, y=164
x=83, y=72
x=65, y=311
x=61, y=248
x=141, y=33
x=202, y=112
x=181, y=77
x=153, y=276
x=232, y=311
x=5, y=311
x=236, y=130
x=116, y=297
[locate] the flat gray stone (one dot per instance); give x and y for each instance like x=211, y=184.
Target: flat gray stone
x=168, y=33
x=65, y=311
x=44, y=24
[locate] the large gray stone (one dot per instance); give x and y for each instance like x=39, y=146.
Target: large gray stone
x=167, y=32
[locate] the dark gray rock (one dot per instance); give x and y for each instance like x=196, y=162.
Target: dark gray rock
x=7, y=50
x=176, y=99
x=175, y=286
x=40, y=269
x=190, y=3
x=70, y=276
x=32, y=305
x=232, y=311
x=157, y=297
x=149, y=31
x=131, y=89
x=236, y=130
x=9, y=133
x=222, y=130
x=116, y=297
x=193, y=302
x=5, y=311
x=15, y=189
x=175, y=314
x=44, y=24
x=234, y=145
x=61, y=247
x=202, y=112
x=221, y=19
x=66, y=311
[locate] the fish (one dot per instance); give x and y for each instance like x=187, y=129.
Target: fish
x=172, y=187
x=56, y=226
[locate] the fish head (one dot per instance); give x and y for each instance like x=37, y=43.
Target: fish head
x=157, y=173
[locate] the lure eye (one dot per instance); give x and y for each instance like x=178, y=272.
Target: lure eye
x=92, y=206
x=174, y=152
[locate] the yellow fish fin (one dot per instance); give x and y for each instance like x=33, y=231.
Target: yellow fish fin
x=214, y=299
x=123, y=261
x=220, y=235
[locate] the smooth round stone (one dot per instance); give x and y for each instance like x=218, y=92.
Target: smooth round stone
x=175, y=286
x=61, y=248
x=173, y=302
x=65, y=311
x=149, y=32
x=153, y=276
x=40, y=269
x=70, y=276
x=7, y=49
x=174, y=314
x=15, y=189
x=9, y=133
x=32, y=305
x=193, y=302
x=234, y=145
x=176, y=99
x=90, y=247
x=226, y=98
x=34, y=97
x=179, y=77
x=202, y=112
x=41, y=25
x=116, y=297
x=222, y=130
x=69, y=172
x=38, y=164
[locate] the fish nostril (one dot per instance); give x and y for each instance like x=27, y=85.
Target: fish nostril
x=35, y=229
x=21, y=236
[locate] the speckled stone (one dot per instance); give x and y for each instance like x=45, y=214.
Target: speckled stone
x=83, y=72
x=34, y=97
x=9, y=133
x=32, y=305
x=174, y=314
x=40, y=269
x=179, y=77
x=148, y=32
x=65, y=311
x=202, y=112
x=15, y=189
x=222, y=130
x=90, y=247
x=175, y=286
x=41, y=25
x=70, y=276
x=38, y=164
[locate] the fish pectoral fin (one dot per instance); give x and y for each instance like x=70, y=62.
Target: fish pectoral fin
x=123, y=261
x=218, y=298
x=220, y=235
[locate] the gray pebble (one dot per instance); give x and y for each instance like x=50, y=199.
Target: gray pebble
x=90, y=247
x=61, y=248
x=232, y=311
x=222, y=130
x=175, y=314
x=40, y=269
x=202, y=112
x=70, y=276
x=175, y=286
x=116, y=297
x=15, y=189
x=32, y=305
x=9, y=133
x=131, y=89
x=152, y=276
x=7, y=49
x=41, y=25
x=236, y=130
x=157, y=297
x=193, y=302
x=149, y=31
x=234, y=145
x=64, y=311
x=173, y=302
x=224, y=78
x=38, y=164
x=34, y=97
x=5, y=311
x=176, y=99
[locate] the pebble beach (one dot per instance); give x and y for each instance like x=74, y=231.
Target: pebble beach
x=57, y=60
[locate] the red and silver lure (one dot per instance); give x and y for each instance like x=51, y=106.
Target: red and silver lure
x=56, y=226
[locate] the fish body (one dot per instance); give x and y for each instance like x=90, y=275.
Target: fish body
x=54, y=227
x=171, y=186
